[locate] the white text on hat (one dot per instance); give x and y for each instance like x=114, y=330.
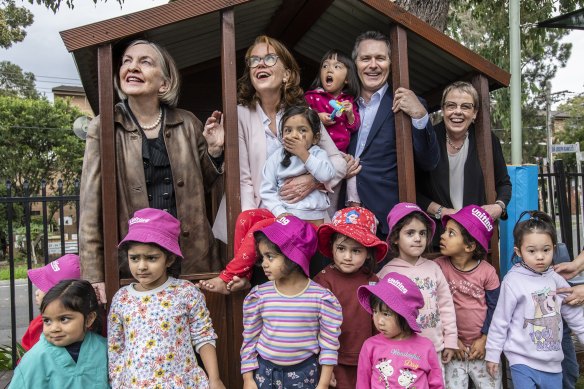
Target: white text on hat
x=483, y=218
x=398, y=285
x=136, y=220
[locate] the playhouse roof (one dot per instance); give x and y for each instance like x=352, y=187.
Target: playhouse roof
x=191, y=32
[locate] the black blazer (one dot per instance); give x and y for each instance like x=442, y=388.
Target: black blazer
x=377, y=182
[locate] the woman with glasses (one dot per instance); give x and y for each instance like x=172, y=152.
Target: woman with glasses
x=270, y=84
x=458, y=179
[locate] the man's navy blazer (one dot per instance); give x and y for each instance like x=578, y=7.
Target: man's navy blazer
x=377, y=182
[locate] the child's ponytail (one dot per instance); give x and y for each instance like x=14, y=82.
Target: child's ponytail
x=539, y=222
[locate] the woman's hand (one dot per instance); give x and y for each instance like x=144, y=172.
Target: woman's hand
x=353, y=166
x=477, y=349
x=494, y=210
x=297, y=188
x=575, y=294
x=493, y=369
x=99, y=288
x=214, y=134
x=569, y=270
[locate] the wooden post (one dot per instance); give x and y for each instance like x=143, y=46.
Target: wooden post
x=234, y=312
x=485, y=150
x=108, y=170
x=403, y=125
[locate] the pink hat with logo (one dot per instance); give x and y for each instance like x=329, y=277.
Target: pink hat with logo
x=64, y=268
x=295, y=238
x=358, y=224
x=399, y=293
x=401, y=210
x=476, y=221
x=151, y=225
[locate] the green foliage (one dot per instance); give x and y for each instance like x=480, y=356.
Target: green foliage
x=483, y=26
x=14, y=82
x=54, y=5
x=573, y=128
x=36, y=142
x=20, y=272
x=13, y=21
x=6, y=356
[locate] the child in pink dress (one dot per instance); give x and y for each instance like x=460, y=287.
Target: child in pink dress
x=397, y=357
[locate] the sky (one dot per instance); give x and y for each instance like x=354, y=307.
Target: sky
x=43, y=53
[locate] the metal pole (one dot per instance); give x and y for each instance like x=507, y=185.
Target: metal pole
x=548, y=123
x=515, y=70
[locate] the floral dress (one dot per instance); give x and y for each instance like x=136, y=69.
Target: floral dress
x=151, y=336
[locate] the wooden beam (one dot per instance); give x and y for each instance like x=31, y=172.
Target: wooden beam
x=234, y=314
x=109, y=198
x=403, y=124
x=400, y=16
x=283, y=16
x=485, y=150
x=303, y=21
x=138, y=22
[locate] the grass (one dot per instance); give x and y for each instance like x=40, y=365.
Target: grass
x=19, y=272
x=580, y=383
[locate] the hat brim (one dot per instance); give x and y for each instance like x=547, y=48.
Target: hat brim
x=393, y=301
x=367, y=239
x=39, y=279
x=471, y=229
x=153, y=237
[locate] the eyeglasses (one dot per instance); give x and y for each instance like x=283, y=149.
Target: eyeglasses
x=269, y=60
x=464, y=107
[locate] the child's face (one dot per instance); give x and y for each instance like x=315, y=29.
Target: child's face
x=386, y=323
x=38, y=296
x=148, y=265
x=348, y=254
x=272, y=262
x=333, y=76
x=62, y=326
x=298, y=128
x=537, y=251
x=412, y=240
x=451, y=240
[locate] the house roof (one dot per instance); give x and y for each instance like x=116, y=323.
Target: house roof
x=191, y=32
x=68, y=90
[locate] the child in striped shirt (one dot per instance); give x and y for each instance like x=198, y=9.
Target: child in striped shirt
x=291, y=324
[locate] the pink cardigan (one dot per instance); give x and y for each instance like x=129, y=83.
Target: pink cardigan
x=252, y=158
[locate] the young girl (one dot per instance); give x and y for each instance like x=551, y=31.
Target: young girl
x=351, y=242
x=475, y=289
x=68, y=354
x=156, y=325
x=300, y=134
x=44, y=278
x=410, y=234
x=527, y=323
x=337, y=81
x=290, y=323
x=397, y=357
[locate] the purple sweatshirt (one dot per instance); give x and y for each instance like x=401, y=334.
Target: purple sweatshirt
x=527, y=323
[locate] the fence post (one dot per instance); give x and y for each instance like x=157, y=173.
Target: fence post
x=563, y=209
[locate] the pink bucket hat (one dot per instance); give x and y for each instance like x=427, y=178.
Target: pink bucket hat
x=399, y=293
x=64, y=268
x=401, y=210
x=150, y=225
x=358, y=224
x=476, y=221
x=295, y=238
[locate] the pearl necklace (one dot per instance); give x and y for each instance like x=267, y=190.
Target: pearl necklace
x=457, y=148
x=154, y=125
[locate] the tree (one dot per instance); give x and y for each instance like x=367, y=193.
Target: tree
x=573, y=128
x=433, y=12
x=36, y=142
x=13, y=21
x=14, y=82
x=54, y=5
x=484, y=27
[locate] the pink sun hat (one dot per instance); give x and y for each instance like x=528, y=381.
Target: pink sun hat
x=64, y=268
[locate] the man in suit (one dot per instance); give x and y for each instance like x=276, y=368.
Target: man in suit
x=375, y=144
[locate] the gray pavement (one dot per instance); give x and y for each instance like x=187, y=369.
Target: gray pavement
x=22, y=314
